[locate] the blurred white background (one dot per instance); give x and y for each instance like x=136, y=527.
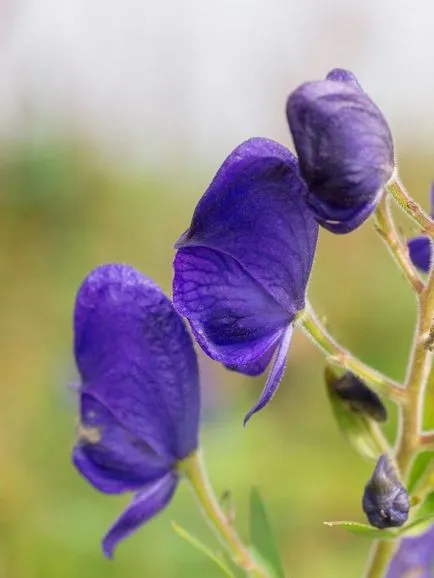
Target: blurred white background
x=144, y=79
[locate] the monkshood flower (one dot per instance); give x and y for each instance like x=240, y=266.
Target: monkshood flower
x=344, y=147
x=414, y=558
x=242, y=268
x=385, y=500
x=139, y=393
x=420, y=247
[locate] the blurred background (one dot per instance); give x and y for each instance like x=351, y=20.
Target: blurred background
x=114, y=117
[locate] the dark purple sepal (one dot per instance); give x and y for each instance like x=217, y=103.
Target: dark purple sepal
x=345, y=150
x=109, y=456
x=233, y=318
x=275, y=375
x=414, y=557
x=254, y=211
x=145, y=505
x=136, y=358
x=242, y=267
x=420, y=251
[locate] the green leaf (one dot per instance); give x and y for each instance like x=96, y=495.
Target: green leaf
x=364, y=530
x=360, y=430
x=414, y=528
x=261, y=535
x=196, y=543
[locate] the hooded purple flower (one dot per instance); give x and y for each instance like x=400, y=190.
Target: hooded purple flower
x=242, y=267
x=345, y=149
x=420, y=247
x=139, y=396
x=414, y=558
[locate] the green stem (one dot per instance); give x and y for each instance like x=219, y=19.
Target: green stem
x=407, y=204
x=410, y=414
x=340, y=356
x=194, y=469
x=386, y=228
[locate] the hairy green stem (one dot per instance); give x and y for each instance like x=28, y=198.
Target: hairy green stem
x=386, y=228
x=407, y=204
x=194, y=469
x=408, y=439
x=340, y=356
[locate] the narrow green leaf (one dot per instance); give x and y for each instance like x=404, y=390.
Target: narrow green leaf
x=261, y=534
x=196, y=543
x=364, y=530
x=414, y=528
x=358, y=428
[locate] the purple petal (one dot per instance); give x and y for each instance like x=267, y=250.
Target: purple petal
x=110, y=457
x=242, y=267
x=420, y=250
x=233, y=317
x=275, y=375
x=254, y=211
x=136, y=358
x=415, y=557
x=149, y=502
x=345, y=150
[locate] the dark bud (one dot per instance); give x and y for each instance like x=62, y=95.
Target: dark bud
x=358, y=396
x=385, y=500
x=344, y=147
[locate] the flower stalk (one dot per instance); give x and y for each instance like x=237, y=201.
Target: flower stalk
x=194, y=470
x=386, y=229
x=382, y=384
x=408, y=442
x=409, y=206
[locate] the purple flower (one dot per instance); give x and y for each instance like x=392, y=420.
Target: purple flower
x=242, y=267
x=139, y=396
x=420, y=247
x=414, y=558
x=345, y=149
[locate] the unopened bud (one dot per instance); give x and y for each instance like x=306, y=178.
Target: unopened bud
x=357, y=395
x=385, y=500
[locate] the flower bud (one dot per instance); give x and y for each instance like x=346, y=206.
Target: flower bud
x=345, y=149
x=385, y=500
x=358, y=396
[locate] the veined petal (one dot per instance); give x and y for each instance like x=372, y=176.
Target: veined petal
x=275, y=375
x=420, y=250
x=110, y=457
x=234, y=319
x=136, y=358
x=145, y=505
x=254, y=211
x=343, y=75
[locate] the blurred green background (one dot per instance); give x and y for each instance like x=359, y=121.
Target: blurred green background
x=63, y=212
x=113, y=119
